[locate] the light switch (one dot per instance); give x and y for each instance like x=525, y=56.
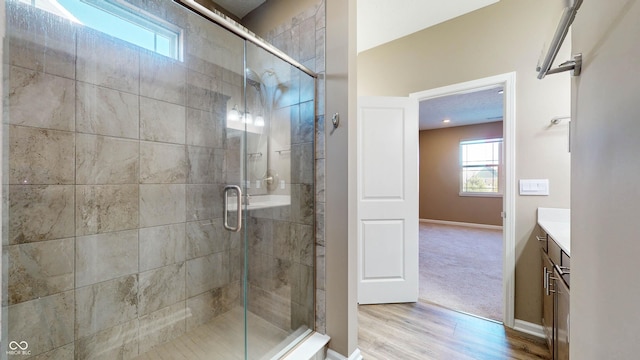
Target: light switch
x=535, y=187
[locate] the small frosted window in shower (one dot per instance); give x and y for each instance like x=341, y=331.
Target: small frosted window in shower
x=121, y=20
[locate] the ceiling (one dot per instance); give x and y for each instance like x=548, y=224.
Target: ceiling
x=462, y=109
x=239, y=8
x=381, y=21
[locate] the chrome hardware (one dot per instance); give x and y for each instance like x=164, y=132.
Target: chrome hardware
x=541, y=238
x=545, y=280
x=549, y=291
x=335, y=120
x=238, y=190
x=563, y=270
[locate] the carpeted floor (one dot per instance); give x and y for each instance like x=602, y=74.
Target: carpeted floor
x=461, y=268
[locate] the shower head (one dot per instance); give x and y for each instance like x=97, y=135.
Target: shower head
x=253, y=79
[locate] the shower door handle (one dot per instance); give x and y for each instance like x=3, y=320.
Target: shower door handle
x=238, y=191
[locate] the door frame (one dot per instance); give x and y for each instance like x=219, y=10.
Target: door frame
x=508, y=82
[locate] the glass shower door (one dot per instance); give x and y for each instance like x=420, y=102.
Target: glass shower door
x=279, y=178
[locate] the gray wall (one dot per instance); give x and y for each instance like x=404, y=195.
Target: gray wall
x=605, y=201
x=497, y=39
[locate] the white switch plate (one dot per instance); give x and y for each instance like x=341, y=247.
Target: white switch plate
x=535, y=187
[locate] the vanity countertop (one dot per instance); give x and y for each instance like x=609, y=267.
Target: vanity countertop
x=557, y=223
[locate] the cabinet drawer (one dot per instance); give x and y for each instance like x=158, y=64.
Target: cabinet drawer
x=554, y=251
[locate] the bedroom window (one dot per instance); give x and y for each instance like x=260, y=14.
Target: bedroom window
x=481, y=167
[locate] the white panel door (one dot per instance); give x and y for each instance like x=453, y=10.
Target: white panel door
x=387, y=160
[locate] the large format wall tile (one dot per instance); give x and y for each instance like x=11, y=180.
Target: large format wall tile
x=162, y=121
x=106, y=304
x=200, y=89
x=210, y=304
x=206, y=237
x=207, y=272
x=107, y=62
x=302, y=285
x=106, y=160
x=41, y=100
x=204, y=202
x=302, y=163
x=46, y=45
x=161, y=246
x=204, y=129
x=106, y=256
x=162, y=326
x=302, y=202
x=302, y=125
x=162, y=204
x=104, y=111
x=45, y=323
x=162, y=78
x=65, y=352
x=161, y=287
x=117, y=342
x=261, y=234
x=40, y=156
x=205, y=165
x=162, y=163
x=51, y=205
x=271, y=307
x=106, y=208
x=40, y=269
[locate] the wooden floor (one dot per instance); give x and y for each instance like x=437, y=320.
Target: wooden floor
x=425, y=331
x=222, y=338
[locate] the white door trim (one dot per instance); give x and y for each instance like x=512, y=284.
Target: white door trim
x=508, y=81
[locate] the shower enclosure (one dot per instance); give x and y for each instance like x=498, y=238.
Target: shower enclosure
x=158, y=186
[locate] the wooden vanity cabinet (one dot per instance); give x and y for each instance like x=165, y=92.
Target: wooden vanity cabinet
x=561, y=339
x=547, y=300
x=555, y=297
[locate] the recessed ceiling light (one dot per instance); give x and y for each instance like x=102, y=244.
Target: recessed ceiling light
x=446, y=121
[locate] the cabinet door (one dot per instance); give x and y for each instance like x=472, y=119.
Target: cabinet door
x=547, y=300
x=561, y=319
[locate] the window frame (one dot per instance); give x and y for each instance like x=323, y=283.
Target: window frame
x=499, y=166
x=144, y=20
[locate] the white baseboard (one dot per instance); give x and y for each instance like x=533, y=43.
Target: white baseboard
x=455, y=223
x=332, y=355
x=529, y=328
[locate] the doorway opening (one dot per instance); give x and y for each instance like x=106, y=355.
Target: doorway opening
x=467, y=237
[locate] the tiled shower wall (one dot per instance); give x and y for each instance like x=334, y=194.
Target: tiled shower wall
x=303, y=38
x=116, y=160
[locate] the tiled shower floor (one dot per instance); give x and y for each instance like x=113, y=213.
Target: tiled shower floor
x=222, y=338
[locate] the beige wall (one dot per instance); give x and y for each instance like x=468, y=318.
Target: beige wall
x=605, y=199
x=440, y=176
x=497, y=39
